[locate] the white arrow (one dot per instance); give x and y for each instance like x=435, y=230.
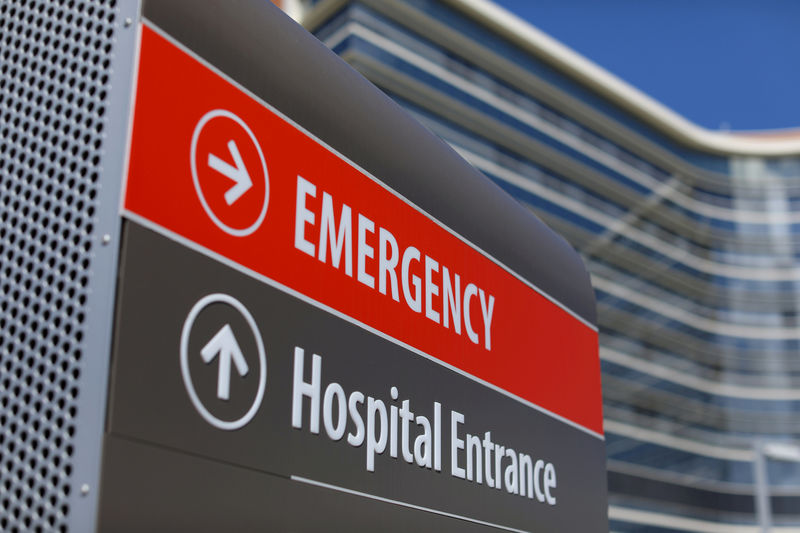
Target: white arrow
x=224, y=344
x=236, y=173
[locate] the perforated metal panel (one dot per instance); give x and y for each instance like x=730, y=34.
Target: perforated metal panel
x=54, y=74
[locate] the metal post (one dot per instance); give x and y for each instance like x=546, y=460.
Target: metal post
x=763, y=508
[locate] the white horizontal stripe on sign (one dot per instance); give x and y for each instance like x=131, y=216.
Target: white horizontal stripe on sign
x=403, y=504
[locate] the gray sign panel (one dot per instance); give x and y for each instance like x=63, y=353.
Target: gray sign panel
x=234, y=399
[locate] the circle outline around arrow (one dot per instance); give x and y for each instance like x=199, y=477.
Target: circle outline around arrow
x=198, y=307
x=196, y=179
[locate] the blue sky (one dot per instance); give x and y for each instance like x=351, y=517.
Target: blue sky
x=722, y=64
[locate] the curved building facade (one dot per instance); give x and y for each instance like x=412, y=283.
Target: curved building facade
x=691, y=237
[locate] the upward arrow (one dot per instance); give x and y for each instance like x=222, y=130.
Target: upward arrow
x=224, y=344
x=236, y=173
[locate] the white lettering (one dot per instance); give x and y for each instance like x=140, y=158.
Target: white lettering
x=375, y=444
x=393, y=424
x=470, y=292
x=488, y=446
x=536, y=477
x=431, y=289
x=380, y=425
x=357, y=438
x=487, y=318
x=414, y=300
x=474, y=458
x=341, y=241
x=388, y=257
x=525, y=481
x=406, y=416
x=421, y=288
x=511, y=472
x=335, y=432
x=499, y=452
x=451, y=300
x=365, y=226
x=302, y=388
x=549, y=483
x=303, y=215
x=456, y=444
x=422, y=445
x=437, y=436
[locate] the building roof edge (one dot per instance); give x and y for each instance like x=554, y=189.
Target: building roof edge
x=620, y=92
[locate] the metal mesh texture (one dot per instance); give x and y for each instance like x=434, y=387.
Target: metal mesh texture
x=54, y=70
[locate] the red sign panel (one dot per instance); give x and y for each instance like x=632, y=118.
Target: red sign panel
x=214, y=165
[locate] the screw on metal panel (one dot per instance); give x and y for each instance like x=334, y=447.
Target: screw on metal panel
x=128, y=21
x=85, y=489
x=106, y=238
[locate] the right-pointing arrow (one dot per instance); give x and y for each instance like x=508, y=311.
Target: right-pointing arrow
x=224, y=343
x=236, y=173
